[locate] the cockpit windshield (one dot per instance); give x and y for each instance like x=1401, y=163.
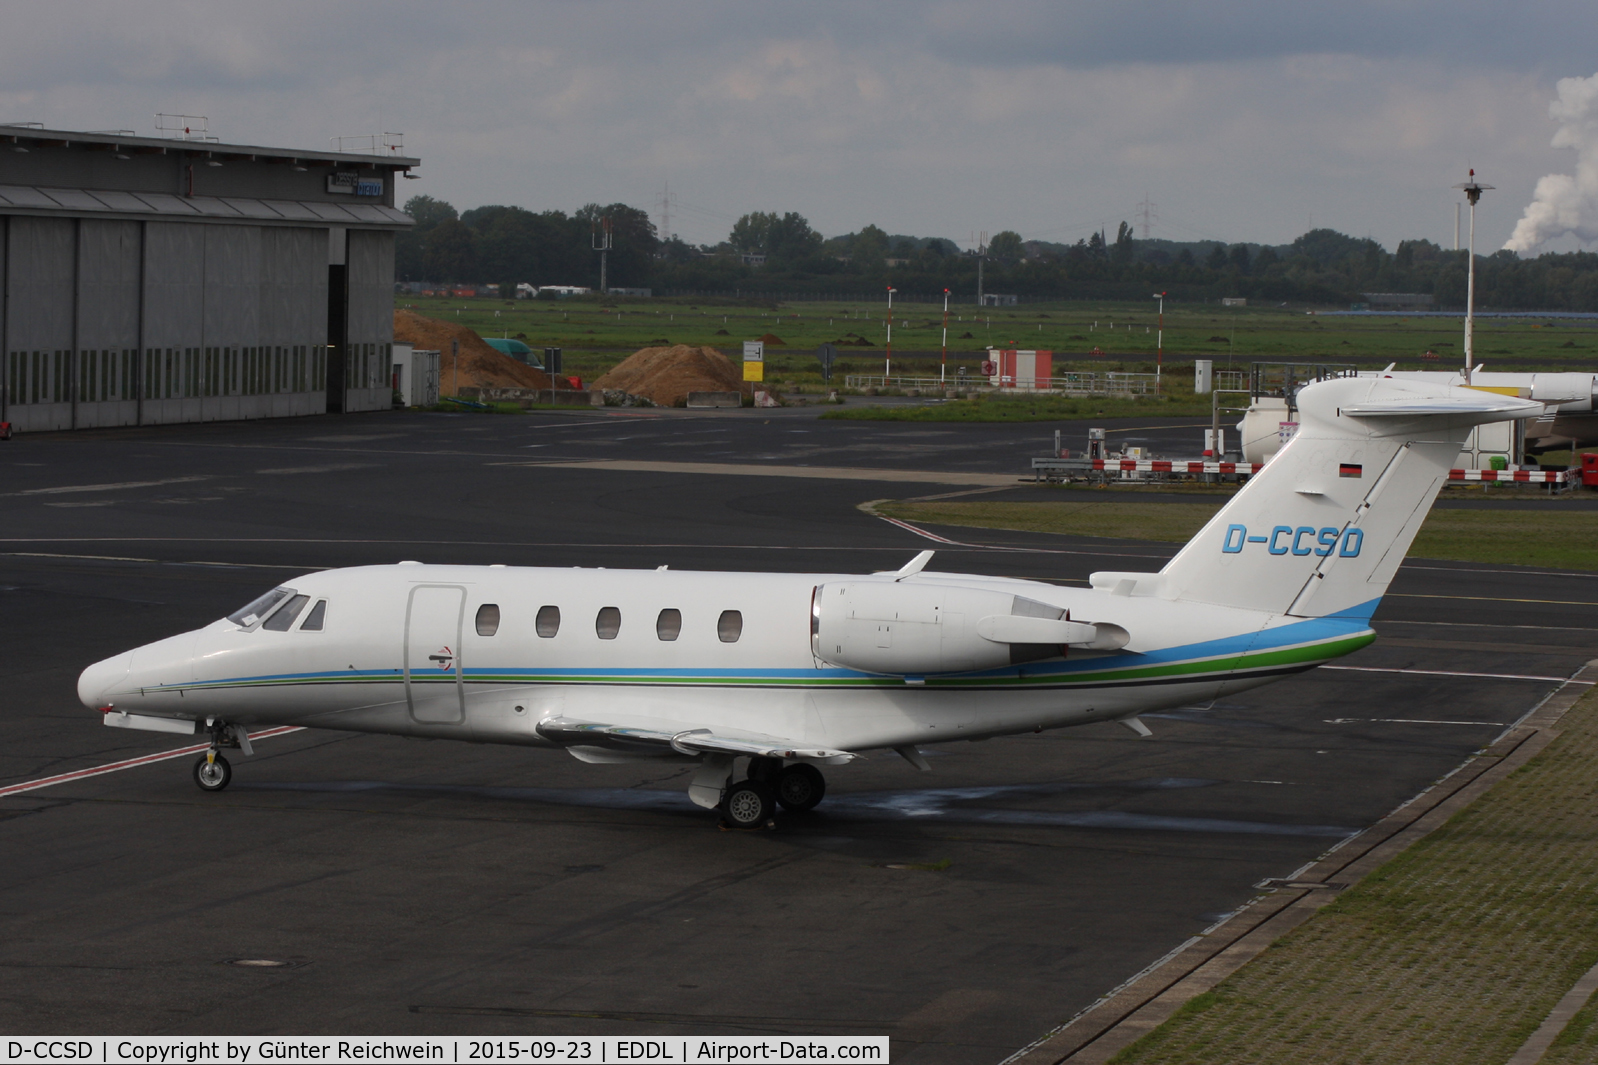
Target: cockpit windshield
x=259, y=608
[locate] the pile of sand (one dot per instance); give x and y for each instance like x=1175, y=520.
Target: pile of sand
x=481, y=366
x=855, y=340
x=773, y=338
x=666, y=375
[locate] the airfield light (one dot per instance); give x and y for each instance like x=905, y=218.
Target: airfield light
x=1473, y=191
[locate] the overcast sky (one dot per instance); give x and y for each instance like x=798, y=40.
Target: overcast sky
x=1239, y=120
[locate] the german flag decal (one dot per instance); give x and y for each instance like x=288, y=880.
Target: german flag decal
x=1349, y=469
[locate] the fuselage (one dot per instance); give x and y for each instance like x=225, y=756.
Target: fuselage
x=486, y=653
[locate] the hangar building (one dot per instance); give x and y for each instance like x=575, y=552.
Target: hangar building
x=148, y=280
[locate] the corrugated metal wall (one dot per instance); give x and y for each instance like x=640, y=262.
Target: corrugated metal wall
x=174, y=319
x=108, y=322
x=41, y=263
x=371, y=318
x=129, y=322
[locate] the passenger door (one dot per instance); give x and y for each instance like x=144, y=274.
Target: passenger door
x=433, y=688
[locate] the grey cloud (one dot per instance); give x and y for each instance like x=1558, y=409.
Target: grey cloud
x=1243, y=120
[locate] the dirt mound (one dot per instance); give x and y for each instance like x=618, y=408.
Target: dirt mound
x=850, y=340
x=667, y=375
x=481, y=366
x=772, y=338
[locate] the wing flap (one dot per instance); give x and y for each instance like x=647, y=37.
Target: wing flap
x=566, y=732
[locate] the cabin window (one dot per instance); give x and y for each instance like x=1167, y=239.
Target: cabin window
x=729, y=626
x=668, y=626
x=313, y=620
x=608, y=623
x=488, y=619
x=548, y=622
x=259, y=608
x=280, y=621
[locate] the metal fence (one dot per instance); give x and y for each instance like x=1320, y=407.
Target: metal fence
x=1070, y=384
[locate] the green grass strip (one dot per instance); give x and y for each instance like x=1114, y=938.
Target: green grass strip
x=1452, y=952
x=1560, y=539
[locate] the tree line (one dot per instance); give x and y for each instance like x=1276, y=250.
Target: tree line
x=772, y=251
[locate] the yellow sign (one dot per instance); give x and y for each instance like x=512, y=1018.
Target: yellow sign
x=754, y=371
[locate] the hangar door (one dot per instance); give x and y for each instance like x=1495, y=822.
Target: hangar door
x=433, y=688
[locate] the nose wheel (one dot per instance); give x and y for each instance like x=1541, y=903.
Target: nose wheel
x=212, y=772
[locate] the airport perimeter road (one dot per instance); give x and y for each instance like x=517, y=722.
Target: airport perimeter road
x=419, y=886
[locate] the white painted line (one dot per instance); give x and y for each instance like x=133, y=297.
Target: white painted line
x=108, y=487
x=1515, y=572
x=148, y=759
x=730, y=469
x=922, y=532
x=1495, y=598
x=1409, y=721
x=333, y=468
x=1451, y=673
x=162, y=561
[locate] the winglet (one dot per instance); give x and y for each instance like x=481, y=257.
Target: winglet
x=914, y=566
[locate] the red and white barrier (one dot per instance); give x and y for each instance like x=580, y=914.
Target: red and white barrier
x=1177, y=466
x=1521, y=476
x=1170, y=466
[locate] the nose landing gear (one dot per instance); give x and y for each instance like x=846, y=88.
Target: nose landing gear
x=212, y=772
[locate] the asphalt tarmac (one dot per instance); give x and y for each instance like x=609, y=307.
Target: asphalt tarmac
x=433, y=887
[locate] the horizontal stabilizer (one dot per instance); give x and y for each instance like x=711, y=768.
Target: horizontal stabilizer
x=1494, y=407
x=567, y=733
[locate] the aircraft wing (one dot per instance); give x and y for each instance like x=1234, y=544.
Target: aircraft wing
x=627, y=738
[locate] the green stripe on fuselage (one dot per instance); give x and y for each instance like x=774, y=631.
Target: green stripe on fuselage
x=1303, y=655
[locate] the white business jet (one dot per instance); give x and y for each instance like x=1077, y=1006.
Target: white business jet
x=792, y=671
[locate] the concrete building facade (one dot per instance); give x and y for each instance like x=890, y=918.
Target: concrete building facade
x=146, y=280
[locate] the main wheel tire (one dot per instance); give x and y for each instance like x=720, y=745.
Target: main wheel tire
x=212, y=775
x=764, y=769
x=748, y=804
x=801, y=787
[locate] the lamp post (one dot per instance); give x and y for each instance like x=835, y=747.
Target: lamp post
x=943, y=365
x=1473, y=191
x=887, y=366
x=1159, y=343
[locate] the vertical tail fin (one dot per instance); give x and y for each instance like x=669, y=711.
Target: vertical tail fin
x=1322, y=528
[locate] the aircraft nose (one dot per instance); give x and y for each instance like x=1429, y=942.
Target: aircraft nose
x=97, y=682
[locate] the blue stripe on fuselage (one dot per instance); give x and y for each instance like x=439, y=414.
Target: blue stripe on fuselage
x=1344, y=623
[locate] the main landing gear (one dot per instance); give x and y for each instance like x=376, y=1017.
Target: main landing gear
x=211, y=771
x=752, y=803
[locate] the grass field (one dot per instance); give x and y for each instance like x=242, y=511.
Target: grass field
x=1562, y=540
x=596, y=333
x=1453, y=952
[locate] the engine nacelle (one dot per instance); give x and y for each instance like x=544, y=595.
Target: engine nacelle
x=904, y=629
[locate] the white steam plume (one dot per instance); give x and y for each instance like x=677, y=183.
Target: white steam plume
x=1564, y=203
